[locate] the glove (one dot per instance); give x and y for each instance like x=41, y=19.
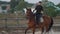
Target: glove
x=34, y=11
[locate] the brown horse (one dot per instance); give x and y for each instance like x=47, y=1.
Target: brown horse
x=47, y=23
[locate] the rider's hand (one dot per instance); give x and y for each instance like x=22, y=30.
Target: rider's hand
x=34, y=11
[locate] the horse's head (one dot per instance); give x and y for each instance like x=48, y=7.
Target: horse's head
x=29, y=11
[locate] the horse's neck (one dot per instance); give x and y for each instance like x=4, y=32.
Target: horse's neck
x=31, y=18
x=31, y=12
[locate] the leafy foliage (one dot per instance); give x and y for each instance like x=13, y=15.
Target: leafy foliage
x=58, y=5
x=50, y=9
x=13, y=4
x=23, y=4
x=19, y=5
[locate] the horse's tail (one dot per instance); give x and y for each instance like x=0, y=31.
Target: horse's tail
x=51, y=24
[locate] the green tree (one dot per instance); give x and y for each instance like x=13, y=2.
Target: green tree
x=58, y=5
x=22, y=4
x=58, y=11
x=13, y=4
x=51, y=11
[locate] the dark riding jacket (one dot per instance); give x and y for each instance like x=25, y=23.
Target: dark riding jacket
x=38, y=13
x=39, y=8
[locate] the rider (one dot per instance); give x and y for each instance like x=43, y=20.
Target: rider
x=38, y=13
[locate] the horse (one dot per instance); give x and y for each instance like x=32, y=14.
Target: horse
x=45, y=25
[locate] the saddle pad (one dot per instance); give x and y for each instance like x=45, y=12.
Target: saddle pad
x=41, y=19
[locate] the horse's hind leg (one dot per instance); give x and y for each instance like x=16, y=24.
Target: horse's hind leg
x=42, y=30
x=33, y=29
x=27, y=30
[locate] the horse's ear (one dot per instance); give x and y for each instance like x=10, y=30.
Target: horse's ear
x=25, y=9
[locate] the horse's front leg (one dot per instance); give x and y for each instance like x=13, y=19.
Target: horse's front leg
x=27, y=30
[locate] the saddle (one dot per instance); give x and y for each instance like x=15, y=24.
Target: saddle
x=40, y=22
